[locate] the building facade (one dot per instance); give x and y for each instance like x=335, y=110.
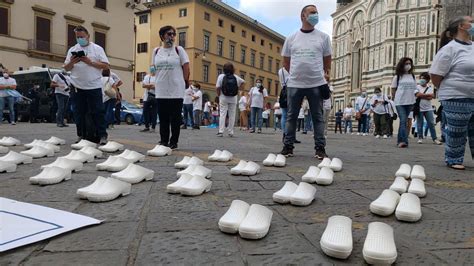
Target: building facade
x=39, y=33
x=212, y=34
x=371, y=36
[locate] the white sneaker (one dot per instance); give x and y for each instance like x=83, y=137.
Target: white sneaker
x=377, y=136
x=365, y=134
x=420, y=141
x=385, y=136
x=437, y=142
x=358, y=134
x=109, y=190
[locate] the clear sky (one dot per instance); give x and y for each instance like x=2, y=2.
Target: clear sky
x=283, y=16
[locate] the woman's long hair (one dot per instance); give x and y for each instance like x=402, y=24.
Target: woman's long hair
x=400, y=70
x=451, y=31
x=260, y=89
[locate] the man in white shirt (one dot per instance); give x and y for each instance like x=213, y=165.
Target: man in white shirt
x=362, y=106
x=86, y=60
x=197, y=105
x=7, y=83
x=188, y=108
x=307, y=57
x=60, y=84
x=150, y=108
x=207, y=113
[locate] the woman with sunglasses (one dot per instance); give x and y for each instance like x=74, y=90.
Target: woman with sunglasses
x=172, y=78
x=403, y=91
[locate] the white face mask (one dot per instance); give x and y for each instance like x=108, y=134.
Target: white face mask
x=407, y=68
x=258, y=85
x=5, y=75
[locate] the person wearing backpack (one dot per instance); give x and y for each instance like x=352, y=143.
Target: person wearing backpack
x=403, y=90
x=378, y=103
x=227, y=88
x=257, y=95
x=425, y=93
x=60, y=84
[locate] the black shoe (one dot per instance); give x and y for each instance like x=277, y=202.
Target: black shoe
x=196, y=127
x=259, y=131
x=252, y=131
x=103, y=141
x=297, y=141
x=287, y=151
x=320, y=153
x=184, y=127
x=145, y=130
x=304, y=132
x=65, y=125
x=220, y=134
x=60, y=125
x=173, y=146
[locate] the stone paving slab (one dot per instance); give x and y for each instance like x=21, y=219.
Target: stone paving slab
x=152, y=227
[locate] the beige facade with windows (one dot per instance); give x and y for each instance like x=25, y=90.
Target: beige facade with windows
x=39, y=32
x=212, y=33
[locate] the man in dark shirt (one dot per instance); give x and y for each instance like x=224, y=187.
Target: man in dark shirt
x=339, y=116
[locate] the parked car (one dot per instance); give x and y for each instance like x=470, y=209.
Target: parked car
x=130, y=113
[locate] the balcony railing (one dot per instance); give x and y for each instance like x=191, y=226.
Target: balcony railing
x=47, y=47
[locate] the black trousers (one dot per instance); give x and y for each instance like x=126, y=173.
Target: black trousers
x=118, y=106
x=150, y=117
x=169, y=111
x=338, y=125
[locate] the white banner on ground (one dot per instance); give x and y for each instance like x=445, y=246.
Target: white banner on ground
x=24, y=223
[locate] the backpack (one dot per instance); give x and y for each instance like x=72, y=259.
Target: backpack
x=229, y=85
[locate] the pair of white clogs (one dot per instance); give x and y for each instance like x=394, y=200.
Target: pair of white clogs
x=250, y=221
x=379, y=246
x=323, y=176
x=406, y=171
x=187, y=161
x=275, y=160
x=407, y=207
x=196, y=170
x=9, y=161
x=247, y=168
x=220, y=156
x=112, y=146
x=105, y=189
x=335, y=164
x=9, y=141
x=189, y=185
x=159, y=151
x=299, y=195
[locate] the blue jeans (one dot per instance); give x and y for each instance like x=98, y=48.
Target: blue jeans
x=61, y=100
x=348, y=123
x=11, y=105
x=403, y=112
x=89, y=102
x=429, y=116
x=295, y=99
x=256, y=114
x=284, y=113
x=109, y=111
x=362, y=127
x=307, y=123
x=188, y=115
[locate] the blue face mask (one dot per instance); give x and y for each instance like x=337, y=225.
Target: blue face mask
x=152, y=69
x=82, y=41
x=471, y=30
x=422, y=82
x=313, y=19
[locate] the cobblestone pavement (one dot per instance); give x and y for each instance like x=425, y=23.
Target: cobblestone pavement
x=151, y=227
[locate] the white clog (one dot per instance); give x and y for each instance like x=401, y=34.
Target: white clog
x=280, y=161
x=257, y=222
x=214, y=156
x=202, y=171
x=418, y=171
x=38, y=152
x=175, y=187
x=379, y=245
x=311, y=175
x=250, y=169
x=74, y=166
x=83, y=192
x=409, y=208
x=325, y=177
x=336, y=164
x=400, y=185
x=326, y=162
x=237, y=170
x=225, y=156
x=103, y=166
x=304, y=195
x=33, y=143
x=270, y=160
x=417, y=187
x=51, y=175
x=231, y=220
x=47, y=146
x=284, y=194
x=79, y=156
x=404, y=171
x=92, y=151
x=132, y=156
x=336, y=240
x=118, y=164
x=189, y=170
x=159, y=151
x=195, y=160
x=7, y=167
x=109, y=190
x=55, y=141
x=111, y=146
x=9, y=141
x=16, y=158
x=386, y=203
x=183, y=163
x=196, y=186
x=83, y=143
x=134, y=174
x=3, y=149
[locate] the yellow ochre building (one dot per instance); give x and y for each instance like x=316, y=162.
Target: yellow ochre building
x=212, y=33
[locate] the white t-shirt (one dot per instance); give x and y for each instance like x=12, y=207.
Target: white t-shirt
x=425, y=105
x=301, y=113
x=222, y=97
x=145, y=96
x=207, y=107
x=455, y=63
x=276, y=108
x=147, y=80
x=168, y=63
x=188, y=96
x=197, y=104
x=256, y=97
x=61, y=84
x=405, y=94
x=4, y=82
x=283, y=76
x=266, y=114
x=360, y=101
x=307, y=51
x=242, y=103
x=379, y=108
x=104, y=80
x=84, y=76
x=348, y=113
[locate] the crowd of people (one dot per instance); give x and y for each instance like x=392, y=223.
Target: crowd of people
x=304, y=103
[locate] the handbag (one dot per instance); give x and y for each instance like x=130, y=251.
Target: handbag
x=416, y=106
x=325, y=91
x=109, y=90
x=283, y=93
x=359, y=114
